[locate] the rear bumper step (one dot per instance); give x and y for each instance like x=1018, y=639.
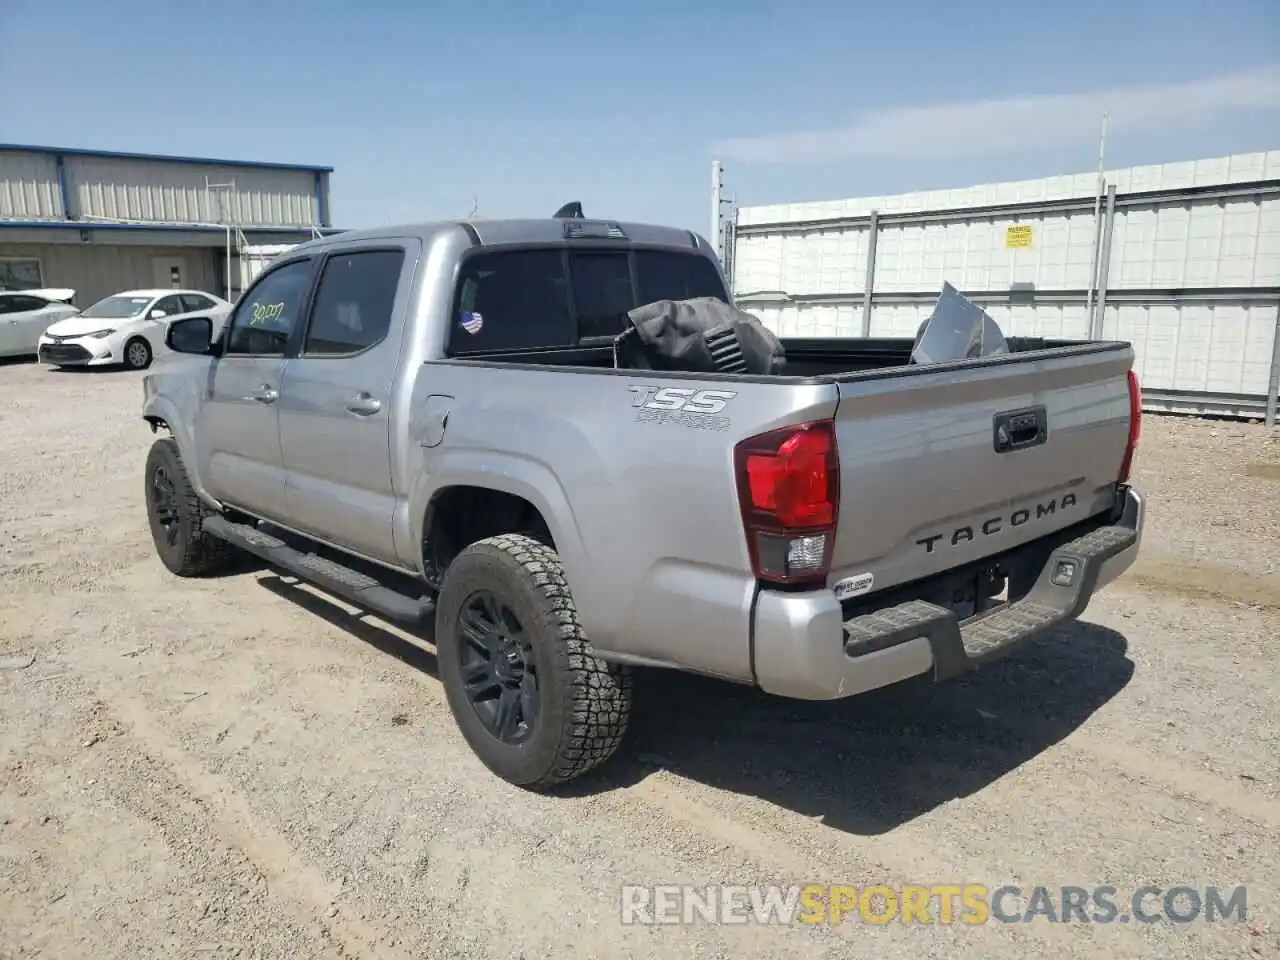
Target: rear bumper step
x=351, y=585
x=1061, y=593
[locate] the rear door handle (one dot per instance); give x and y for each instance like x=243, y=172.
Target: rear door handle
x=264, y=394
x=364, y=405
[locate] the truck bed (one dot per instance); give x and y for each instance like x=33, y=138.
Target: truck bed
x=928, y=484
x=807, y=357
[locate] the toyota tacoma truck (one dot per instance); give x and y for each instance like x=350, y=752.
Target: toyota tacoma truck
x=509, y=433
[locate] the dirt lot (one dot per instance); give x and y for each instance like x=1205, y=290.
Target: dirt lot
x=240, y=767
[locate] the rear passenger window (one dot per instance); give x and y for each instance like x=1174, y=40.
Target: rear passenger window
x=353, y=303
x=192, y=303
x=21, y=304
x=511, y=300
x=668, y=275
x=602, y=292
x=171, y=305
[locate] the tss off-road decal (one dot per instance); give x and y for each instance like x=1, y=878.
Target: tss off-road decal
x=684, y=406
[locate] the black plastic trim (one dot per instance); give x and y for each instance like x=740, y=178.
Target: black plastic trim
x=337, y=578
x=958, y=647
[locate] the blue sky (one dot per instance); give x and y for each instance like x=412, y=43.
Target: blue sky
x=421, y=107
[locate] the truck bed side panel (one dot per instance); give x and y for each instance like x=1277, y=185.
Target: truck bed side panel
x=638, y=493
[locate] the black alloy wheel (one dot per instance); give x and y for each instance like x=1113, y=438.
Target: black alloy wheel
x=164, y=505
x=176, y=516
x=531, y=699
x=499, y=673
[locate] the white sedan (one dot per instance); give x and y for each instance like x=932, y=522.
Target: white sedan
x=127, y=328
x=26, y=314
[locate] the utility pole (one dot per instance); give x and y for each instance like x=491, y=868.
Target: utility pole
x=717, y=198
x=1097, y=225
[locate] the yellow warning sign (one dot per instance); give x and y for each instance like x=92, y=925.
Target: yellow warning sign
x=1017, y=235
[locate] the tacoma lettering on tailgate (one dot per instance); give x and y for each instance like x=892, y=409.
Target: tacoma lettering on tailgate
x=992, y=526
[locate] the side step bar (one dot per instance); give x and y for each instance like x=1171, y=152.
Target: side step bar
x=351, y=585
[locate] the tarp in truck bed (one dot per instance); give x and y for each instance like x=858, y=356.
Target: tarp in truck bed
x=701, y=335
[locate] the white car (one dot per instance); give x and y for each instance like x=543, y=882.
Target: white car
x=26, y=314
x=127, y=328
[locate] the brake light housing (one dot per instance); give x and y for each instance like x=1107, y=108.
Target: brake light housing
x=789, y=494
x=1135, y=427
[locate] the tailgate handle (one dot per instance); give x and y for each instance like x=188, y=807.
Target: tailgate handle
x=1019, y=429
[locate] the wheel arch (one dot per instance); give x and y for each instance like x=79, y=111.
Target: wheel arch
x=461, y=514
x=506, y=481
x=161, y=413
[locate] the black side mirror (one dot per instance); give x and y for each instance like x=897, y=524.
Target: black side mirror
x=190, y=335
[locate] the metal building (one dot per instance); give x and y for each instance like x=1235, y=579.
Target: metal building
x=1181, y=259
x=100, y=222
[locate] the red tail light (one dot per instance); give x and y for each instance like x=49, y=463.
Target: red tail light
x=789, y=493
x=1135, y=427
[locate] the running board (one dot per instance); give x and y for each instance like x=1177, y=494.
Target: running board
x=351, y=585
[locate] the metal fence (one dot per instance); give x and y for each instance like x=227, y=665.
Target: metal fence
x=1188, y=270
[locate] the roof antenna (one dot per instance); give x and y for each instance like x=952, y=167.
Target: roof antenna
x=570, y=211
x=475, y=206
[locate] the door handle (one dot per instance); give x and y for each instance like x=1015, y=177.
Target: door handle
x=264, y=394
x=363, y=405
x=1018, y=429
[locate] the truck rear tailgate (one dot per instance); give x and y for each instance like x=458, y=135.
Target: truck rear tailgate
x=944, y=464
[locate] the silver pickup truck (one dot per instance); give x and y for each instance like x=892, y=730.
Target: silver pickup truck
x=434, y=423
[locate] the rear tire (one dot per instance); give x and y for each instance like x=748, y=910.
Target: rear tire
x=137, y=354
x=176, y=517
x=531, y=700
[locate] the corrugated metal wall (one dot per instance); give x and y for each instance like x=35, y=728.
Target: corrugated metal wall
x=1193, y=276
x=29, y=186
x=99, y=270
x=146, y=190
x=113, y=188
x=1198, y=348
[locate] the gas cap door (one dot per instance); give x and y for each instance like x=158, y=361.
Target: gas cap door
x=435, y=419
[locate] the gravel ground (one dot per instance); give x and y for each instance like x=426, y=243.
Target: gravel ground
x=243, y=767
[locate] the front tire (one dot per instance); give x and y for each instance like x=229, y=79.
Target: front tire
x=176, y=517
x=532, y=702
x=137, y=354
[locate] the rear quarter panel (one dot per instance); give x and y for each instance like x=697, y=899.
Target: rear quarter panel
x=641, y=502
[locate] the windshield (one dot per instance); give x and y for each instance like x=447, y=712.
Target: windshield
x=117, y=308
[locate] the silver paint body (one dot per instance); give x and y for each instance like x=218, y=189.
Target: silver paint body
x=644, y=510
